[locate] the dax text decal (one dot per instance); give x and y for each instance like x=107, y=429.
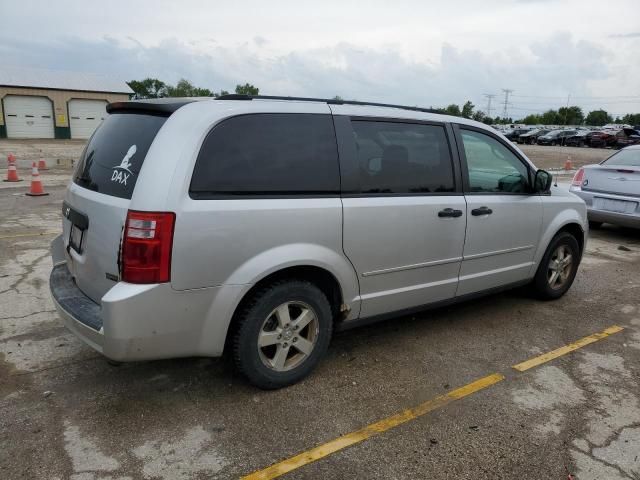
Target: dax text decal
x=121, y=173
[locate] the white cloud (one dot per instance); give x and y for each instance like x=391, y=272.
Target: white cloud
x=406, y=52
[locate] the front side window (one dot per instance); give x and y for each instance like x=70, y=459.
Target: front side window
x=272, y=154
x=396, y=157
x=492, y=166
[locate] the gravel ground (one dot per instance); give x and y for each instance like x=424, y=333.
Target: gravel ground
x=66, y=413
x=554, y=158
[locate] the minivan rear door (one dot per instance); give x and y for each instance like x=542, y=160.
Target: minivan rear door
x=96, y=202
x=404, y=212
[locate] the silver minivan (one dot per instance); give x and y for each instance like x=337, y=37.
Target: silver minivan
x=258, y=226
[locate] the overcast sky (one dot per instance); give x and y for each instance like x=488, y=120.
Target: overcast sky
x=427, y=53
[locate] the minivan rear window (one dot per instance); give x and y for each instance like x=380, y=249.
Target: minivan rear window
x=112, y=159
x=268, y=154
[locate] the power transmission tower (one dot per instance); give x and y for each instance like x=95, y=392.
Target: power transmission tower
x=507, y=92
x=489, y=96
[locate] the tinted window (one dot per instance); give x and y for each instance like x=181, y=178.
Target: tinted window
x=114, y=155
x=268, y=154
x=492, y=166
x=402, y=158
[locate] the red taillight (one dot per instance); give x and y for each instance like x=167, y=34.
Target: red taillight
x=146, y=247
x=578, y=177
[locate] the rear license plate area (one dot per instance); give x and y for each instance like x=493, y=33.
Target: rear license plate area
x=75, y=238
x=617, y=206
x=79, y=225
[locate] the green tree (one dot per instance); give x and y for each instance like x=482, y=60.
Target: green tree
x=478, y=116
x=247, y=89
x=488, y=120
x=597, y=118
x=148, y=88
x=467, y=109
x=631, y=118
x=570, y=116
x=184, y=88
x=532, y=119
x=550, y=117
x=338, y=98
x=454, y=110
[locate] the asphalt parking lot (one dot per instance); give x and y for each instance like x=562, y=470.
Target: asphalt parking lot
x=430, y=396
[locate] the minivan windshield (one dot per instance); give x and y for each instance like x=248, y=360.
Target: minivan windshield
x=625, y=158
x=112, y=159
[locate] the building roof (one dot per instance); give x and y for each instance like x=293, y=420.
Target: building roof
x=61, y=80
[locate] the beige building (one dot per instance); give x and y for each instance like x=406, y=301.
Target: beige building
x=37, y=103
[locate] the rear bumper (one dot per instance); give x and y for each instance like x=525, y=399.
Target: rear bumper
x=81, y=315
x=145, y=322
x=604, y=216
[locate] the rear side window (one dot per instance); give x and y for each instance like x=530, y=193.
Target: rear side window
x=398, y=157
x=268, y=154
x=112, y=159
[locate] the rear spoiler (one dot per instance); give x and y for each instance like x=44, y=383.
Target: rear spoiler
x=162, y=107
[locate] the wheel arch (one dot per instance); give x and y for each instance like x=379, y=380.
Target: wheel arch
x=325, y=280
x=576, y=230
x=565, y=220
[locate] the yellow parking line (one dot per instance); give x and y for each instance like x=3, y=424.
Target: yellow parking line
x=18, y=235
x=340, y=443
x=534, y=362
x=369, y=431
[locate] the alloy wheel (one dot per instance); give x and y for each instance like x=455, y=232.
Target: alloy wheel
x=288, y=336
x=559, y=268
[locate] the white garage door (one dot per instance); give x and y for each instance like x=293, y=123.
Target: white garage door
x=85, y=116
x=28, y=117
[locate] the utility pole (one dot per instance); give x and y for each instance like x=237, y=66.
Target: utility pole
x=566, y=112
x=489, y=96
x=507, y=92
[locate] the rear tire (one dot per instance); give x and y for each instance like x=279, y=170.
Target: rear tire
x=595, y=225
x=281, y=333
x=558, y=267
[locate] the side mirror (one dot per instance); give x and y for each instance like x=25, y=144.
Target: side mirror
x=542, y=182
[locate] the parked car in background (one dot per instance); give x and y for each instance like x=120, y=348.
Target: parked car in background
x=579, y=139
x=627, y=137
x=555, y=137
x=611, y=189
x=260, y=226
x=515, y=133
x=600, y=139
x=531, y=136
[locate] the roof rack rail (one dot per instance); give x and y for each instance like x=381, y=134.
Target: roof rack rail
x=330, y=101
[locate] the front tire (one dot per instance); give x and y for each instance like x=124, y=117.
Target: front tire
x=558, y=267
x=281, y=333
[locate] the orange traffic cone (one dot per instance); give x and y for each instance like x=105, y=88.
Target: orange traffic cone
x=11, y=158
x=12, y=171
x=42, y=165
x=36, y=189
x=567, y=165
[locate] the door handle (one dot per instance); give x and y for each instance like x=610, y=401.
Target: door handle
x=481, y=211
x=449, y=212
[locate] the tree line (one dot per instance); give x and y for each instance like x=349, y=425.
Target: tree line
x=154, y=88
x=572, y=115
